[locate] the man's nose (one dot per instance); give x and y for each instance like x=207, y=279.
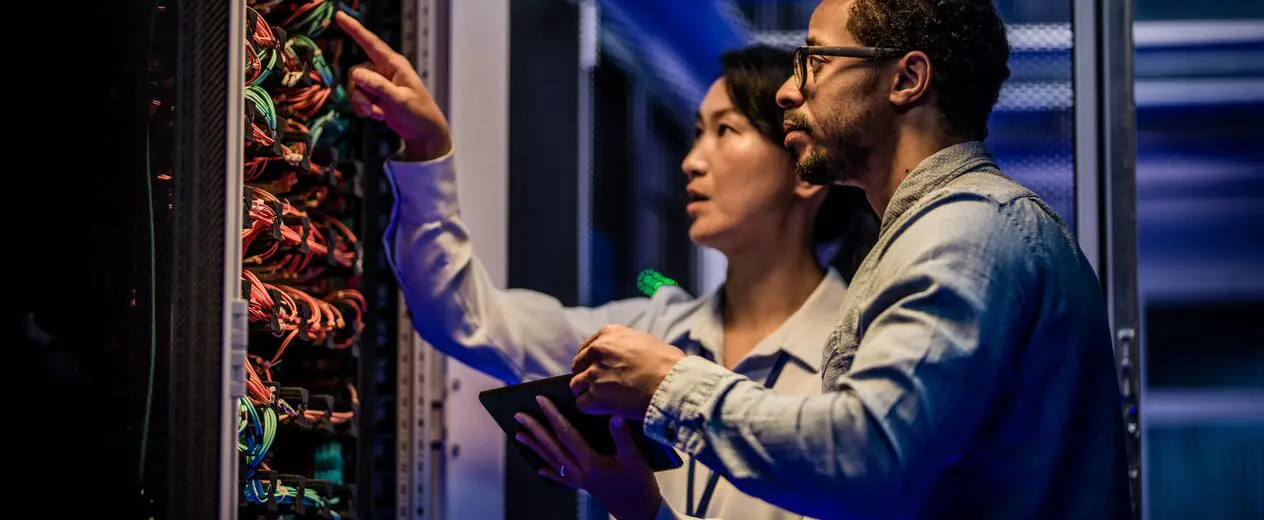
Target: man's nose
x=789, y=96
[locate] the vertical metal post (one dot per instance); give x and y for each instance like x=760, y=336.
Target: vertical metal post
x=421, y=380
x=1119, y=188
x=234, y=312
x=589, y=36
x=1088, y=166
x=1106, y=190
x=589, y=53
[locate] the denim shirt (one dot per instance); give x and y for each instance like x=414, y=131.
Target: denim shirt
x=971, y=375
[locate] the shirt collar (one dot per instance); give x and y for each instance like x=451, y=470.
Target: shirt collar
x=802, y=336
x=933, y=173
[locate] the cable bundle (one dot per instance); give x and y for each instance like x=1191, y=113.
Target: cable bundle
x=262, y=134
x=304, y=98
x=258, y=490
x=294, y=101
x=262, y=48
x=292, y=313
x=283, y=239
x=310, y=18
x=301, y=260
x=256, y=431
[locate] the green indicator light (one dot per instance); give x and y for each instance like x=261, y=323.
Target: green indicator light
x=650, y=280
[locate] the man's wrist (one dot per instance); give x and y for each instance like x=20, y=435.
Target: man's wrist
x=661, y=376
x=679, y=404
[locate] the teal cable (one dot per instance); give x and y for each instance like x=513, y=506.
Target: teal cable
x=263, y=103
x=318, y=20
x=318, y=125
x=153, y=306
x=265, y=66
x=153, y=273
x=318, y=57
x=269, y=430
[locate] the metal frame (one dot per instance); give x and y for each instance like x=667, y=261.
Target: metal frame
x=589, y=48
x=1106, y=191
x=1084, y=54
x=421, y=377
x=407, y=349
x=235, y=335
x=1119, y=194
x=589, y=58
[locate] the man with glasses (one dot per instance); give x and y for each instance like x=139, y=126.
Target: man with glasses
x=971, y=374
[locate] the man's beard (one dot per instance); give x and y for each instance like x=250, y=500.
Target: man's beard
x=843, y=162
x=844, y=156
x=818, y=167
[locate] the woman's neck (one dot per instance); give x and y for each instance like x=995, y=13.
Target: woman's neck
x=763, y=287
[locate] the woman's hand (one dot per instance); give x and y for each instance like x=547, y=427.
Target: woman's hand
x=388, y=89
x=622, y=482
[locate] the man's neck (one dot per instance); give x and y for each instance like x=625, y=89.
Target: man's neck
x=894, y=163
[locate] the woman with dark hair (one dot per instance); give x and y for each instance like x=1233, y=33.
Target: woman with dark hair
x=769, y=320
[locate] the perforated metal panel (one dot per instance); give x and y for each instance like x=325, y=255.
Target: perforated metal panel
x=1032, y=130
x=201, y=464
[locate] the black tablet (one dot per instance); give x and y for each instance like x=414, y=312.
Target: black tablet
x=503, y=403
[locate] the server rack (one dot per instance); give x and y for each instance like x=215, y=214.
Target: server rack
x=332, y=405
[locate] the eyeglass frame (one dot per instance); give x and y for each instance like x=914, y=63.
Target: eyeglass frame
x=802, y=53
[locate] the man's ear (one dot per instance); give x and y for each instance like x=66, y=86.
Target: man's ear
x=912, y=79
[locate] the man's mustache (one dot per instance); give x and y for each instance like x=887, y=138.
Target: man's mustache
x=795, y=122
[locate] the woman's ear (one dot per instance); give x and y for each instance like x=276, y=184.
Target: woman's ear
x=807, y=191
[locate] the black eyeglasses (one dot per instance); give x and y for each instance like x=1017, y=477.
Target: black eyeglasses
x=802, y=53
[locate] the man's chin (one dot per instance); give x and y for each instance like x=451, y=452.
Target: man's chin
x=815, y=169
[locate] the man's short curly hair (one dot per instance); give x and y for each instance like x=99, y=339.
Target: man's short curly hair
x=966, y=43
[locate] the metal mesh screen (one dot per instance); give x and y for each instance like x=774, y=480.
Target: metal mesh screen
x=1032, y=130
x=194, y=392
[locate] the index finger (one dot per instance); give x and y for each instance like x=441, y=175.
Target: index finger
x=575, y=364
x=584, y=359
x=565, y=432
x=379, y=52
x=590, y=339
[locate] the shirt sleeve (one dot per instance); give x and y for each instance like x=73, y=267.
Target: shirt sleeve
x=935, y=344
x=512, y=335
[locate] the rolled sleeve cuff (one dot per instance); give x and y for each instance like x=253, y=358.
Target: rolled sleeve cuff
x=678, y=409
x=426, y=190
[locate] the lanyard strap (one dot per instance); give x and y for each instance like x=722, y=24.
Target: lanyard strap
x=705, y=501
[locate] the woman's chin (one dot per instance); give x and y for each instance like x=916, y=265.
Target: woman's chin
x=704, y=236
